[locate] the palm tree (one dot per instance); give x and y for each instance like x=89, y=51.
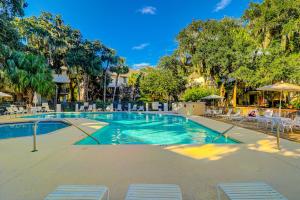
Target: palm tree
x=30, y=73
x=121, y=68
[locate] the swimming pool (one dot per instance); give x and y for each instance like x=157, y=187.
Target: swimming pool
x=145, y=128
x=21, y=129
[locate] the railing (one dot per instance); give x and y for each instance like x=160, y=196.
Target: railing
x=98, y=142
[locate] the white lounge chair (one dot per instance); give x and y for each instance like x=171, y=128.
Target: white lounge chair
x=119, y=107
x=134, y=108
x=46, y=108
x=15, y=109
x=79, y=192
x=22, y=110
x=208, y=112
x=154, y=192
x=236, y=116
x=266, y=119
x=9, y=111
x=141, y=108
x=81, y=109
x=90, y=108
x=248, y=190
x=155, y=106
x=296, y=122
x=228, y=114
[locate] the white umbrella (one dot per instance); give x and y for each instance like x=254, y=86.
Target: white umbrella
x=2, y=94
x=35, y=99
x=280, y=87
x=213, y=97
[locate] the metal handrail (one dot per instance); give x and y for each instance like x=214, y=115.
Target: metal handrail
x=223, y=133
x=98, y=142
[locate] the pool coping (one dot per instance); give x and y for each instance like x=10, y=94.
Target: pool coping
x=239, y=134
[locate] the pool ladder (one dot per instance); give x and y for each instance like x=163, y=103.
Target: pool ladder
x=98, y=142
x=222, y=134
x=35, y=133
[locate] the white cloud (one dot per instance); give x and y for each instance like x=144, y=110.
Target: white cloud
x=222, y=4
x=148, y=10
x=141, y=46
x=141, y=65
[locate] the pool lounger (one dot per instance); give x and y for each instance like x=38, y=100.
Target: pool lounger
x=245, y=190
x=79, y=192
x=153, y=191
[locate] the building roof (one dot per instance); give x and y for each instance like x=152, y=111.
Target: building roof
x=59, y=78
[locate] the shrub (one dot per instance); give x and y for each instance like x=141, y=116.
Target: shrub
x=296, y=103
x=197, y=93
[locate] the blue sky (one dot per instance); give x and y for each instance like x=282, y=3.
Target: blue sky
x=142, y=31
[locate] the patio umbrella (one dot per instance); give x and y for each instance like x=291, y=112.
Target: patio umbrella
x=280, y=87
x=35, y=99
x=2, y=94
x=213, y=97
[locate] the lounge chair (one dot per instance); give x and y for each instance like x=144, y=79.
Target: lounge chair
x=266, y=119
x=22, y=110
x=154, y=192
x=46, y=108
x=228, y=114
x=236, y=116
x=90, y=108
x=141, y=108
x=119, y=107
x=79, y=192
x=81, y=109
x=155, y=106
x=296, y=123
x=9, y=111
x=217, y=113
x=208, y=112
x=39, y=109
x=134, y=108
x=15, y=109
x=248, y=190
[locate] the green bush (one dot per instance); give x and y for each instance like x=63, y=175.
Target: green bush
x=296, y=103
x=197, y=93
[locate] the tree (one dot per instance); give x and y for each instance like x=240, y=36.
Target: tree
x=159, y=84
x=197, y=93
x=8, y=10
x=120, y=68
x=109, y=59
x=30, y=73
x=134, y=82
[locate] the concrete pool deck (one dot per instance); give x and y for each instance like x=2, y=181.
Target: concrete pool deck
x=195, y=168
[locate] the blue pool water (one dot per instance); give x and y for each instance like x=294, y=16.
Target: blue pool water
x=26, y=129
x=144, y=128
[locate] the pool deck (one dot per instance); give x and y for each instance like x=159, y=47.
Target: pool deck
x=195, y=168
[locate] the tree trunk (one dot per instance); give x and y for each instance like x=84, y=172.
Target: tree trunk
x=78, y=88
x=72, y=90
x=85, y=87
x=104, y=87
x=115, y=89
x=234, y=95
x=133, y=93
